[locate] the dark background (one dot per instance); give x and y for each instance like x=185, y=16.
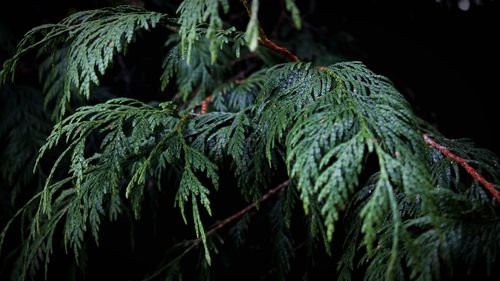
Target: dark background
x=443, y=59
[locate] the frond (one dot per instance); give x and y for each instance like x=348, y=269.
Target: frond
x=198, y=78
x=290, y=88
x=222, y=134
x=239, y=95
x=192, y=13
x=467, y=237
x=133, y=139
x=332, y=137
x=447, y=173
x=94, y=185
x=461, y=228
x=294, y=11
x=52, y=74
x=191, y=189
x=93, y=38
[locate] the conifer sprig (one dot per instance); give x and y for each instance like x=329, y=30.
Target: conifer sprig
x=89, y=41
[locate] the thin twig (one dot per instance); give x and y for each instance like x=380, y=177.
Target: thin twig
x=462, y=162
x=266, y=42
x=195, y=242
x=245, y=210
x=205, y=103
x=275, y=47
x=240, y=213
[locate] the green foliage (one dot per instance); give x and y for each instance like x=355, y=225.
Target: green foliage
x=52, y=73
x=282, y=244
x=238, y=95
x=92, y=38
x=294, y=11
x=345, y=139
x=252, y=32
x=194, y=13
x=339, y=115
x=467, y=233
x=23, y=129
x=200, y=77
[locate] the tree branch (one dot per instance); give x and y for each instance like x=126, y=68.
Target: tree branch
x=194, y=243
x=245, y=210
x=428, y=140
x=241, y=212
x=462, y=162
x=266, y=42
x=278, y=49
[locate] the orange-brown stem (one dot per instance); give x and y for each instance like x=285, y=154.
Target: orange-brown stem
x=462, y=162
x=245, y=210
x=205, y=103
x=240, y=213
x=266, y=42
x=278, y=49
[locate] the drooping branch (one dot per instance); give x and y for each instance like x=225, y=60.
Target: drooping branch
x=462, y=162
x=428, y=140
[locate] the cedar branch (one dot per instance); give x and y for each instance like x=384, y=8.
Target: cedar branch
x=462, y=162
x=428, y=140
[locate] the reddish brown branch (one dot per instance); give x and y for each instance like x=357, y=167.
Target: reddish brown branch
x=238, y=214
x=194, y=243
x=462, y=162
x=205, y=103
x=245, y=210
x=278, y=49
x=268, y=43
